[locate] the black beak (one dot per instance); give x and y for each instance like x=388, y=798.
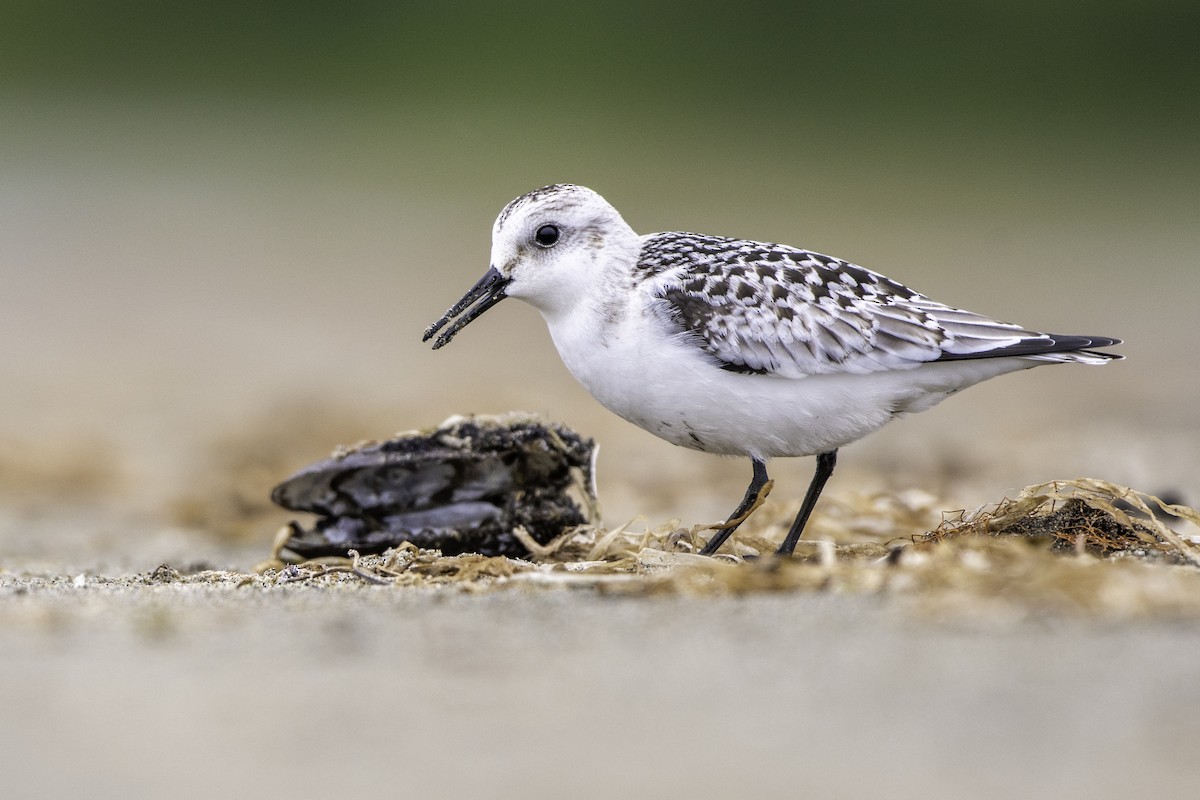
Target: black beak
x=488, y=291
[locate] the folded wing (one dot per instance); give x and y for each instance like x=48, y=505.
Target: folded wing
x=772, y=309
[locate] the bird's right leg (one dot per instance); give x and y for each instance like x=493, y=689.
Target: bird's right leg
x=757, y=482
x=825, y=464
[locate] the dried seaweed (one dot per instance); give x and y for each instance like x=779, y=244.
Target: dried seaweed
x=1062, y=546
x=1084, y=515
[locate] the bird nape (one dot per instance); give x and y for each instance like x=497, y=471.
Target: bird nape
x=738, y=347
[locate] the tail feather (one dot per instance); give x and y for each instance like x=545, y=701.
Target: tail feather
x=1048, y=347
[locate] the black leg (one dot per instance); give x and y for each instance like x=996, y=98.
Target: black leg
x=825, y=464
x=756, y=484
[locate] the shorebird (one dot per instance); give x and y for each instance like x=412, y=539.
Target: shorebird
x=738, y=347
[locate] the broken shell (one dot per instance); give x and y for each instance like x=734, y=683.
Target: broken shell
x=461, y=487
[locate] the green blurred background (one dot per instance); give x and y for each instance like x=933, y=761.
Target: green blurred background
x=212, y=211
x=985, y=66
x=924, y=68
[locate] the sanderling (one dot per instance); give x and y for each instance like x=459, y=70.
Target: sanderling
x=738, y=347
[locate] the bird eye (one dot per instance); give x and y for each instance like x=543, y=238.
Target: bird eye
x=546, y=236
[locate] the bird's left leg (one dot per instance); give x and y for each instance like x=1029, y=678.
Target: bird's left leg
x=737, y=517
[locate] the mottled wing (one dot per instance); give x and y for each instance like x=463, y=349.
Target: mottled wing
x=768, y=308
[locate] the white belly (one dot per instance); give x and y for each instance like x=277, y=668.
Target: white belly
x=670, y=388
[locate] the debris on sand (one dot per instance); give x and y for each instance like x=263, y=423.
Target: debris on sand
x=464, y=487
x=1085, y=515
x=1062, y=547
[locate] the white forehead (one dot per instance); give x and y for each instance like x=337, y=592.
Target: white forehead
x=560, y=202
